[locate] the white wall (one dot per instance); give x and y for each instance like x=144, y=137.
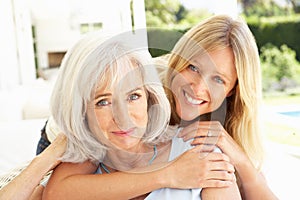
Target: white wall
x=57, y=22
x=16, y=49
x=24, y=42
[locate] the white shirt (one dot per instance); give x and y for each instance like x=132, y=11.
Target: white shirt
x=178, y=147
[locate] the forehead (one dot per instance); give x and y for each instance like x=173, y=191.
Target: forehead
x=123, y=74
x=220, y=60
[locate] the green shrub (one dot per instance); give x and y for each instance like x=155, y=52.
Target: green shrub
x=277, y=30
x=280, y=68
x=162, y=41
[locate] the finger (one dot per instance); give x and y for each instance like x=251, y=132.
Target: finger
x=188, y=129
x=205, y=140
x=196, y=126
x=216, y=156
x=221, y=166
x=201, y=132
x=221, y=175
x=204, y=148
x=215, y=183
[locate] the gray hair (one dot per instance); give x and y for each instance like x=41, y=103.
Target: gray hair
x=80, y=72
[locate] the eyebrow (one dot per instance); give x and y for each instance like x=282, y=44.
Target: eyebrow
x=135, y=89
x=109, y=94
x=102, y=95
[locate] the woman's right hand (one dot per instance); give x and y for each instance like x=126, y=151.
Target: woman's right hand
x=54, y=151
x=198, y=169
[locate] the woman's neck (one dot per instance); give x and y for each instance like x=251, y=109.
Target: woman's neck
x=121, y=160
x=214, y=116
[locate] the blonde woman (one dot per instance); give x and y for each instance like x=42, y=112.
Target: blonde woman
x=214, y=86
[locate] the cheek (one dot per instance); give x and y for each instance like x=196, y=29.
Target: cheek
x=218, y=96
x=98, y=124
x=139, y=114
x=92, y=123
x=179, y=80
x=177, y=83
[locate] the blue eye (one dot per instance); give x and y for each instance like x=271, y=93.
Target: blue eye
x=133, y=97
x=102, y=102
x=193, y=68
x=219, y=80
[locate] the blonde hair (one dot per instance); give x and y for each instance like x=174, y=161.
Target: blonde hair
x=218, y=32
x=83, y=66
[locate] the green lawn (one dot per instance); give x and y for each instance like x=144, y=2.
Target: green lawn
x=291, y=96
x=282, y=134
x=277, y=132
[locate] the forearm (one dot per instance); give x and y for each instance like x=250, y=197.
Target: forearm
x=118, y=185
x=253, y=184
x=231, y=192
x=78, y=181
x=22, y=186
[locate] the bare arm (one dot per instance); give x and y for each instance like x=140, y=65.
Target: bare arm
x=232, y=192
x=253, y=184
x=75, y=181
x=25, y=183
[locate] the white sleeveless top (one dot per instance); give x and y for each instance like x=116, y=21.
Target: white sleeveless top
x=178, y=147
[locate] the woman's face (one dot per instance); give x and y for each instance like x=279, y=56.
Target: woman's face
x=118, y=114
x=204, y=84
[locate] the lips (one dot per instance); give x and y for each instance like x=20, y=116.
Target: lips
x=192, y=100
x=124, y=133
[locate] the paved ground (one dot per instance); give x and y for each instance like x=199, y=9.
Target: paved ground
x=283, y=162
x=282, y=170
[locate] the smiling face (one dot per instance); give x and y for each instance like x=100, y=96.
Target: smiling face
x=204, y=84
x=118, y=113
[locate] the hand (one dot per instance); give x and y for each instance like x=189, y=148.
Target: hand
x=210, y=133
x=196, y=169
x=55, y=150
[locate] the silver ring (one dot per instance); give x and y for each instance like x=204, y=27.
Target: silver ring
x=209, y=133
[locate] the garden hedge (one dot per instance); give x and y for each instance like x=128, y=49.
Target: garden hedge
x=279, y=32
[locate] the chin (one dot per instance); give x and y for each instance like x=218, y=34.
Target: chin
x=188, y=117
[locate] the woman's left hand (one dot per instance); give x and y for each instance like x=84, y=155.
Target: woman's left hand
x=212, y=133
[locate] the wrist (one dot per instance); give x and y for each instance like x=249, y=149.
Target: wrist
x=46, y=162
x=247, y=173
x=162, y=176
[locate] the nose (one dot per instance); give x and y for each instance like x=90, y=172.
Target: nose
x=120, y=113
x=200, y=85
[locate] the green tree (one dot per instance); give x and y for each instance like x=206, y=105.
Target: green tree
x=194, y=16
x=279, y=65
x=295, y=5
x=264, y=8
x=171, y=13
x=162, y=12
x=246, y=5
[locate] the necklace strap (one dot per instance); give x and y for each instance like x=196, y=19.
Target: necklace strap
x=104, y=167
x=154, y=155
